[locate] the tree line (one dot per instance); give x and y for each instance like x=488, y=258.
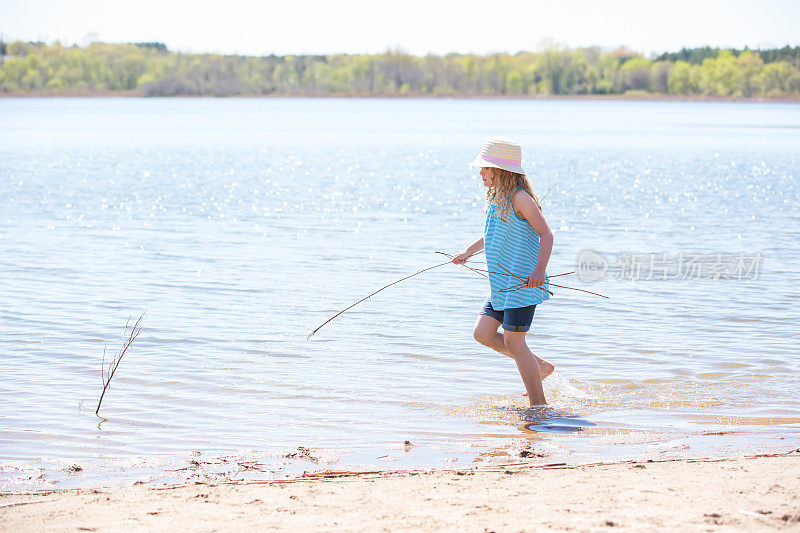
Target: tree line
x=150, y=69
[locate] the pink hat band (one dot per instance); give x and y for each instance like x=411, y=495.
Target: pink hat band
x=501, y=161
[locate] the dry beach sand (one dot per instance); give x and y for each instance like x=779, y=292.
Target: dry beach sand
x=748, y=493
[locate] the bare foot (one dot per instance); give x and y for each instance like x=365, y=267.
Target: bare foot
x=545, y=368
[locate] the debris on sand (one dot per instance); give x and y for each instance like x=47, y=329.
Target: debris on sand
x=305, y=454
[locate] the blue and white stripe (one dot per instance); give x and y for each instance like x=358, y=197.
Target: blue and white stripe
x=515, y=245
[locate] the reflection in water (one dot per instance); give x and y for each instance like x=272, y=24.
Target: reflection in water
x=546, y=418
x=555, y=420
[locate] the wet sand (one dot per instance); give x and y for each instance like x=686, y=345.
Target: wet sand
x=750, y=493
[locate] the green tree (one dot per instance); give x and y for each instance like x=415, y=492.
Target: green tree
x=150, y=69
x=556, y=71
x=659, y=76
x=777, y=79
x=679, y=79
x=749, y=66
x=636, y=74
x=514, y=84
x=718, y=76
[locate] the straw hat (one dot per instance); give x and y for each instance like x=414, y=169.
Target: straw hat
x=500, y=152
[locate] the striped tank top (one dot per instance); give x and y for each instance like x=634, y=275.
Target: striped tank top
x=515, y=245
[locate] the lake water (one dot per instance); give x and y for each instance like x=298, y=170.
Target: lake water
x=240, y=225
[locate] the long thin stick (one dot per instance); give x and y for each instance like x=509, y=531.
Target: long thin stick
x=524, y=281
x=476, y=270
x=481, y=270
x=374, y=293
x=479, y=252
x=514, y=276
x=523, y=285
x=548, y=192
x=574, y=289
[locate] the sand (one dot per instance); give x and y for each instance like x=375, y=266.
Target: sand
x=748, y=493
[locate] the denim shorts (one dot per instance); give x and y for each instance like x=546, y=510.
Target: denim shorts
x=514, y=319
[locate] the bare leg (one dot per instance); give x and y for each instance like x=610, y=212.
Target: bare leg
x=486, y=333
x=527, y=365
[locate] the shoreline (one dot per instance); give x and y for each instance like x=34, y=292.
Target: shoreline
x=759, y=492
x=784, y=99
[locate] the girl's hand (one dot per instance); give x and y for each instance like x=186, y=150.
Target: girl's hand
x=536, y=278
x=461, y=258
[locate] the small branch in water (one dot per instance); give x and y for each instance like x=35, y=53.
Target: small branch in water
x=107, y=372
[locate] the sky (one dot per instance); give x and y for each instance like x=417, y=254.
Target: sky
x=415, y=26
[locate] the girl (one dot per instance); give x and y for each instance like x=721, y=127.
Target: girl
x=516, y=238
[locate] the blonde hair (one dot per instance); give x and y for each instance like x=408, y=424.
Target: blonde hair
x=505, y=183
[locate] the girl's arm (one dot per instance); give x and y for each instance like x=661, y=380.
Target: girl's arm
x=527, y=209
x=462, y=257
